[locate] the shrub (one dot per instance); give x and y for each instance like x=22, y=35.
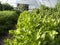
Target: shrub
x=37, y=28
x=7, y=20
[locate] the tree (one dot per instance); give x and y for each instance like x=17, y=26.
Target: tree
x=5, y=7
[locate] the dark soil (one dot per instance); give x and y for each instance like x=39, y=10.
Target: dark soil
x=4, y=37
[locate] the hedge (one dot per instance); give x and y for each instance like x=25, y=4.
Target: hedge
x=7, y=20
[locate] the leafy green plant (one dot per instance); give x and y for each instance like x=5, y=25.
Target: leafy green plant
x=38, y=27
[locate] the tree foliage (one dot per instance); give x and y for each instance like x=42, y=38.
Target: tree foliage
x=22, y=7
x=5, y=7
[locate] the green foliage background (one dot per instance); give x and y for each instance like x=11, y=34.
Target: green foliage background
x=38, y=27
x=5, y=6
x=8, y=19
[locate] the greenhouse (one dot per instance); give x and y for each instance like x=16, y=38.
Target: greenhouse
x=31, y=3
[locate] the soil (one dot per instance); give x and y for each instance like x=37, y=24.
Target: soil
x=4, y=37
